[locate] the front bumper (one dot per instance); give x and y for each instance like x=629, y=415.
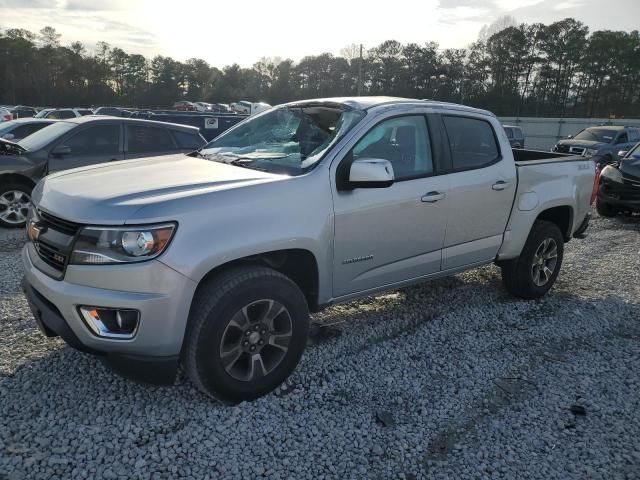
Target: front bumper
x=161, y=295
x=623, y=195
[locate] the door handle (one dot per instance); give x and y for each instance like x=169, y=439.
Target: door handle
x=500, y=185
x=433, y=197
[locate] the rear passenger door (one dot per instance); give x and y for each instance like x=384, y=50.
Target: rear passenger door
x=147, y=141
x=88, y=145
x=482, y=185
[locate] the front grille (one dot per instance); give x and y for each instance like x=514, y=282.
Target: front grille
x=59, y=224
x=51, y=255
x=55, y=242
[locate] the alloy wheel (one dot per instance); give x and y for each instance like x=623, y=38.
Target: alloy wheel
x=544, y=262
x=256, y=340
x=14, y=206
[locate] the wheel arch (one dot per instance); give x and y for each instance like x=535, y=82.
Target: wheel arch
x=300, y=265
x=6, y=178
x=562, y=216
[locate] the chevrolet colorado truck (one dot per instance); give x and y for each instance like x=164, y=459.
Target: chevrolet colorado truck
x=214, y=259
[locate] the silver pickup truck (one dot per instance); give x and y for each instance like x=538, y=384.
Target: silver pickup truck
x=215, y=259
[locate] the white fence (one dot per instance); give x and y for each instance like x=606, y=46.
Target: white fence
x=543, y=133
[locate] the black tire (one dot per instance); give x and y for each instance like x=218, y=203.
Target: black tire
x=12, y=215
x=219, y=306
x=605, y=209
x=518, y=275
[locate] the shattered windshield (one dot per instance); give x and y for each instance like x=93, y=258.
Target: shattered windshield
x=288, y=140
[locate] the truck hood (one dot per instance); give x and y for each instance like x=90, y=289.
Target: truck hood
x=581, y=143
x=630, y=166
x=112, y=193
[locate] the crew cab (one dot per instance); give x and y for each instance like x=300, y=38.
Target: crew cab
x=216, y=258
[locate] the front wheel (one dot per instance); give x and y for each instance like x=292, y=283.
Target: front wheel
x=15, y=201
x=247, y=331
x=534, y=272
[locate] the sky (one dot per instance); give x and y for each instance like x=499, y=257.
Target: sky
x=243, y=31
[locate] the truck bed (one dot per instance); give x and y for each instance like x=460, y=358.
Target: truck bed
x=538, y=157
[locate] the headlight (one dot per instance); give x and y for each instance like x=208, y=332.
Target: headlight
x=96, y=245
x=612, y=174
x=589, y=152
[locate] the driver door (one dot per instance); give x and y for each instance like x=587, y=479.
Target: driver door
x=388, y=235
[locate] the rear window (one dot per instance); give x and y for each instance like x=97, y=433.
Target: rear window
x=148, y=139
x=61, y=114
x=472, y=142
x=187, y=140
x=85, y=112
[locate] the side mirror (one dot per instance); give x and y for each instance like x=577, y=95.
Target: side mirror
x=61, y=150
x=569, y=136
x=371, y=173
x=622, y=153
x=8, y=136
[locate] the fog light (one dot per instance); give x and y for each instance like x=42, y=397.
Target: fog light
x=111, y=322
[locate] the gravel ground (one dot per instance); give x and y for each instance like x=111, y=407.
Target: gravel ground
x=453, y=379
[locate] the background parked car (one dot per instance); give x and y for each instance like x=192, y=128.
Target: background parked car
x=112, y=111
x=79, y=142
x=23, y=112
x=64, y=113
x=619, y=189
x=515, y=136
x=5, y=115
x=184, y=106
x=605, y=141
x=16, y=130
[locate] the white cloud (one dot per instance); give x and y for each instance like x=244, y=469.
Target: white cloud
x=567, y=5
x=510, y=5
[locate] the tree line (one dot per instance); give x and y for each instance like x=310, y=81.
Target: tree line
x=560, y=69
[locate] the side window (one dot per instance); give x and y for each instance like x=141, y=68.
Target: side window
x=634, y=135
x=518, y=133
x=472, y=142
x=623, y=138
x=63, y=114
x=187, y=140
x=404, y=141
x=509, y=132
x=148, y=139
x=96, y=140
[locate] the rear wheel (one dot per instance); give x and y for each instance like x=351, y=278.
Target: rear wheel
x=534, y=272
x=15, y=201
x=605, y=209
x=247, y=331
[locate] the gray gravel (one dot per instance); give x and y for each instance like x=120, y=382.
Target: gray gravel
x=453, y=379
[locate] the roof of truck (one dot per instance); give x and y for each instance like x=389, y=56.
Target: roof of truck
x=366, y=103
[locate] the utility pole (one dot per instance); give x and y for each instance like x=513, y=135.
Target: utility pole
x=360, y=73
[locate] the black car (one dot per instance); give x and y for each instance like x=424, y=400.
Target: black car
x=16, y=130
x=21, y=111
x=619, y=189
x=112, y=111
x=80, y=142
